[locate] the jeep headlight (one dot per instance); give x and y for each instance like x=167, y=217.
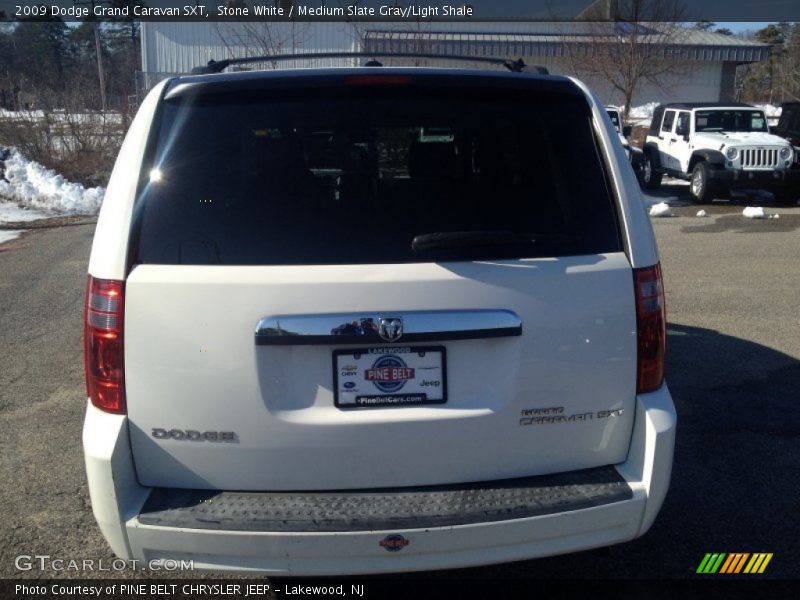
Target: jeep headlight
x=732, y=153
x=786, y=152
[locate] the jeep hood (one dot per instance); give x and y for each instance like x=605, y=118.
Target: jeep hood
x=720, y=140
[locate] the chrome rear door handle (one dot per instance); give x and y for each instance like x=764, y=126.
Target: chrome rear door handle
x=387, y=327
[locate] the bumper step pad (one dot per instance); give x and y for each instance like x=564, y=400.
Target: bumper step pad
x=385, y=509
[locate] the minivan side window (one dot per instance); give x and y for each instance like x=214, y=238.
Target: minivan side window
x=669, y=119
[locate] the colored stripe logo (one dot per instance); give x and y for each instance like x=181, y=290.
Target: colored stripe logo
x=734, y=562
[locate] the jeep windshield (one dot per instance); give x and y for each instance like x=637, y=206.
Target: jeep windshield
x=353, y=174
x=730, y=120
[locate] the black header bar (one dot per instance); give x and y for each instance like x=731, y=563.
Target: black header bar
x=406, y=11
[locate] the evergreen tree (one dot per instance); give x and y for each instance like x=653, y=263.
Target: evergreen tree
x=44, y=42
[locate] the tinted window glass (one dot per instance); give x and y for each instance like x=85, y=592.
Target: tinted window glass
x=730, y=120
x=669, y=119
x=614, y=115
x=353, y=175
x=682, y=128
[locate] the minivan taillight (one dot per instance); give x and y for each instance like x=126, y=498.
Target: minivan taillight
x=102, y=344
x=651, y=321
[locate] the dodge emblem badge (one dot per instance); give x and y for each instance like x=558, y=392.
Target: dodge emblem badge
x=390, y=328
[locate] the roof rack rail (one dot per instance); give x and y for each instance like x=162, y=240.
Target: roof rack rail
x=515, y=66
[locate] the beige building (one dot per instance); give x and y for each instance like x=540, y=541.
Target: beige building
x=705, y=62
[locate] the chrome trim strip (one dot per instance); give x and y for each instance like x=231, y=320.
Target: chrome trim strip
x=361, y=328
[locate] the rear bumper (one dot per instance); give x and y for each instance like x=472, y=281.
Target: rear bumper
x=788, y=179
x=125, y=516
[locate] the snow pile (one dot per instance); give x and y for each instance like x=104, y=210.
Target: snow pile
x=660, y=210
x=702, y=213
x=754, y=212
x=757, y=212
x=6, y=235
x=770, y=110
x=31, y=185
x=642, y=115
x=645, y=111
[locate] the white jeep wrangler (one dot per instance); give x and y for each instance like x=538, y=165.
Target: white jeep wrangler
x=718, y=147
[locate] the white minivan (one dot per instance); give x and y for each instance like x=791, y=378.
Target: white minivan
x=318, y=341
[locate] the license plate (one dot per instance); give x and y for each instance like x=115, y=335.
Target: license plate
x=381, y=377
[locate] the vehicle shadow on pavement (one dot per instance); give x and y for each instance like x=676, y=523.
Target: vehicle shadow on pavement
x=737, y=457
x=734, y=478
x=677, y=194
x=739, y=224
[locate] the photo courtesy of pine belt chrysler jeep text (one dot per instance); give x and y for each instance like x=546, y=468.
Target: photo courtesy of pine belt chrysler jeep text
x=362, y=320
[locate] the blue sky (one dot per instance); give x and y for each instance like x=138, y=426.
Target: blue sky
x=738, y=26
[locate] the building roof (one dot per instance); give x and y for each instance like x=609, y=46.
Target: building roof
x=549, y=39
x=709, y=38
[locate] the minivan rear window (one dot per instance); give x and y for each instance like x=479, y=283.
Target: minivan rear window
x=351, y=175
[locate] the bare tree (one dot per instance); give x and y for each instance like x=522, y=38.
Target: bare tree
x=249, y=39
x=639, y=42
x=62, y=134
x=411, y=36
x=793, y=63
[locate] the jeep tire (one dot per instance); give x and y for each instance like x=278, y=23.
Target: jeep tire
x=650, y=177
x=701, y=187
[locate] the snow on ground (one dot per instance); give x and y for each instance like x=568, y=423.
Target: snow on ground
x=643, y=111
x=773, y=113
x=674, y=181
x=29, y=185
x=770, y=110
x=757, y=212
x=6, y=235
x=10, y=212
x=642, y=115
x=31, y=191
x=21, y=114
x=61, y=116
x=660, y=210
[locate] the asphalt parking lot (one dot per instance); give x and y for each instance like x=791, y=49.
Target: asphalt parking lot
x=733, y=291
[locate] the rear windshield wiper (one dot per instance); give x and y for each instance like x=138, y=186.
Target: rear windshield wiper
x=475, y=239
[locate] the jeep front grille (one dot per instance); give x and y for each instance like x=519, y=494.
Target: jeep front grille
x=760, y=158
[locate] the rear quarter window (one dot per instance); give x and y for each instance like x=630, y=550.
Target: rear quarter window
x=352, y=175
